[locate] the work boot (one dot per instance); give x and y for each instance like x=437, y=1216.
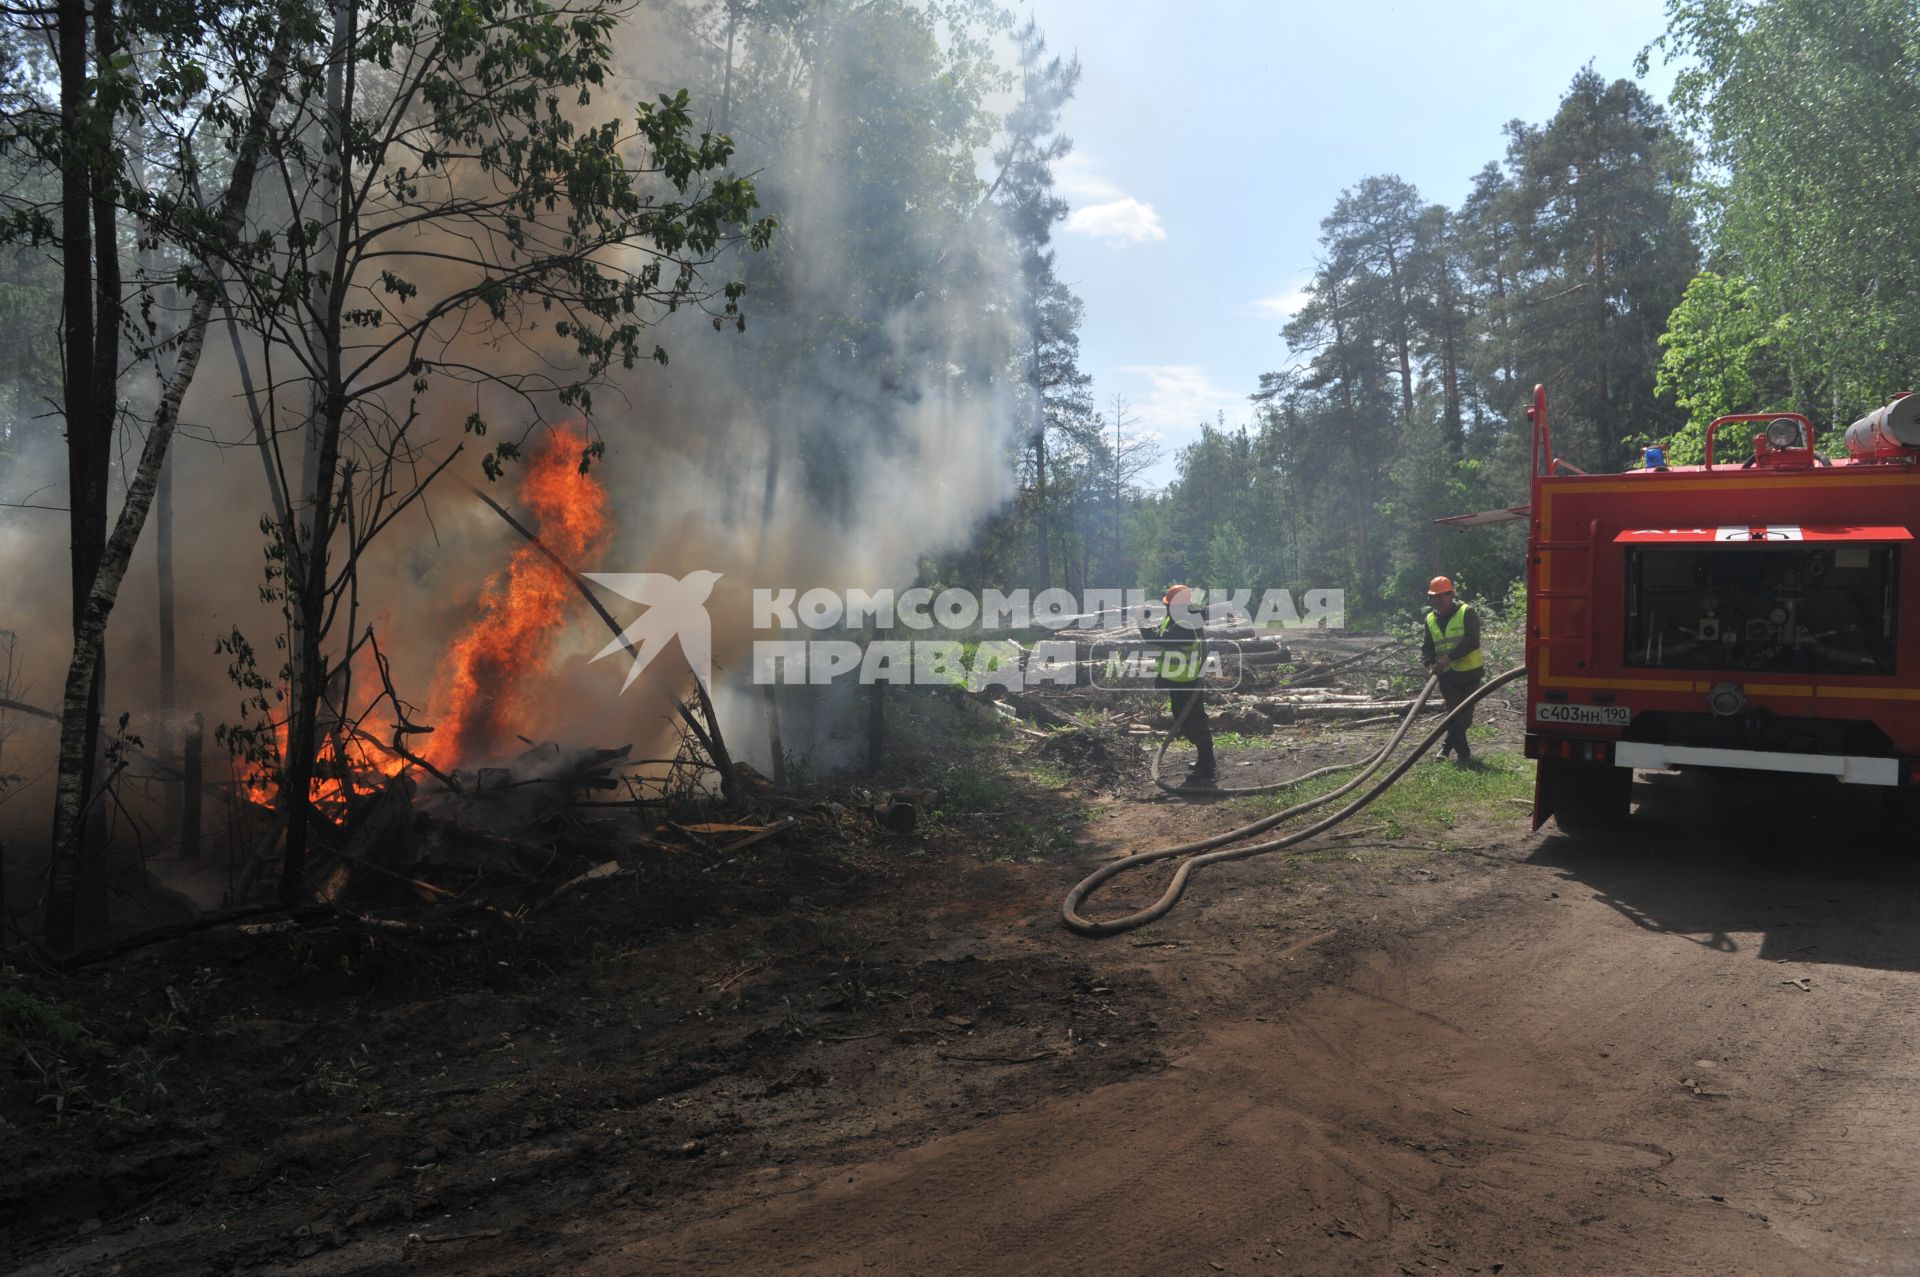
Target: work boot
x=1197, y=779
x=1463, y=757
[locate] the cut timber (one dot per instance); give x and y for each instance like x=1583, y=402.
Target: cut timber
x=1350, y=709
x=1032, y=709
x=785, y=822
x=599, y=873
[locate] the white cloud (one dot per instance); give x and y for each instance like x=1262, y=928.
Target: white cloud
x=1105, y=210
x=1284, y=304
x=1179, y=399
x=1123, y=221
x=1075, y=177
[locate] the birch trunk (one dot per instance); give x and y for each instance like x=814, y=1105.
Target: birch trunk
x=70, y=792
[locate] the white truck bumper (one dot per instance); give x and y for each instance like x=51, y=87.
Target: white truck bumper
x=1848, y=769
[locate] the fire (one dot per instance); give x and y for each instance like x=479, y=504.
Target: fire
x=487, y=680
x=488, y=688
x=345, y=770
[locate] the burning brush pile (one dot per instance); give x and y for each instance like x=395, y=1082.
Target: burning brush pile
x=437, y=812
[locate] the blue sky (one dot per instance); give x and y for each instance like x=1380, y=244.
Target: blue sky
x=1211, y=137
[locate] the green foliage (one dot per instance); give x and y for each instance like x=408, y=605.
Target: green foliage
x=30, y=1023
x=1811, y=118
x=1606, y=252
x=1231, y=563
x=973, y=790
x=1722, y=356
x=1418, y=344
x=1032, y=842
x=39, y=1039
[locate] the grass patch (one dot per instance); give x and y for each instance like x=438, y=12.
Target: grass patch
x=1036, y=842
x=1049, y=774
x=971, y=791
x=1430, y=800
x=28, y=1023
x=1222, y=740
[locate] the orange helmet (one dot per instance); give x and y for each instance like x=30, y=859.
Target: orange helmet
x=1440, y=585
x=1177, y=593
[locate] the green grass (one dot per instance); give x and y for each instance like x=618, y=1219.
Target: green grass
x=1036, y=842
x=1221, y=740
x=1429, y=801
x=969, y=791
x=1049, y=774
x=28, y=1023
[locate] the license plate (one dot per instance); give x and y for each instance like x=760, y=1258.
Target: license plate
x=1585, y=715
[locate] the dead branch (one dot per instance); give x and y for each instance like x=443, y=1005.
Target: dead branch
x=402, y=725
x=784, y=823
x=175, y=931
x=708, y=736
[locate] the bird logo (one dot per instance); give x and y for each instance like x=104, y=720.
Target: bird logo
x=676, y=608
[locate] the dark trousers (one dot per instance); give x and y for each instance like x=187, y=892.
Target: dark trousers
x=1454, y=688
x=1195, y=726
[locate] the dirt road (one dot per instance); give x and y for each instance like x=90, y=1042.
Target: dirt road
x=1687, y=1050
x=1435, y=1042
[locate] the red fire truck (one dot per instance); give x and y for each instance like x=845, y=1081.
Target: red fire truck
x=1751, y=613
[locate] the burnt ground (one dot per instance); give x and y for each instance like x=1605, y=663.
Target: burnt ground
x=1431, y=1042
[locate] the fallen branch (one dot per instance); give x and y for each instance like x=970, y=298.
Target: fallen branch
x=709, y=735
x=363, y=863
x=479, y=1235
x=785, y=822
x=741, y=974
x=599, y=873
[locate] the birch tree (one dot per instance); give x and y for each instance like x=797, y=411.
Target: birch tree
x=453, y=211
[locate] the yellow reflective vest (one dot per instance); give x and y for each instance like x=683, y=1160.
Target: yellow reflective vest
x=1179, y=665
x=1447, y=637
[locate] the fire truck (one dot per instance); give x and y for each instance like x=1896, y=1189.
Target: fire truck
x=1749, y=614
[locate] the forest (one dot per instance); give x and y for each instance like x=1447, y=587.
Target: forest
x=391, y=258
x=1654, y=265
x=377, y=893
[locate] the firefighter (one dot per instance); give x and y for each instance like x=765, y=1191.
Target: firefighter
x=1183, y=649
x=1450, y=647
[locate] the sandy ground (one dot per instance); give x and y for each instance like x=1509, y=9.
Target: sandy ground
x=1685, y=1049
x=1674, y=1052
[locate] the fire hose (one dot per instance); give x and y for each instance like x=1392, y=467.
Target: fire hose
x=1217, y=791
x=1079, y=924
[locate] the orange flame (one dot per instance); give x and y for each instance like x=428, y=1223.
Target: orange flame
x=341, y=775
x=488, y=686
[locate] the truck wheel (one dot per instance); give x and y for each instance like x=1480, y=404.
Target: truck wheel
x=1586, y=798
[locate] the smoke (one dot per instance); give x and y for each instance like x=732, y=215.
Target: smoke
x=861, y=423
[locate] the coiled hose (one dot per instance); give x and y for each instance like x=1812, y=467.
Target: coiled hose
x=1079, y=924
